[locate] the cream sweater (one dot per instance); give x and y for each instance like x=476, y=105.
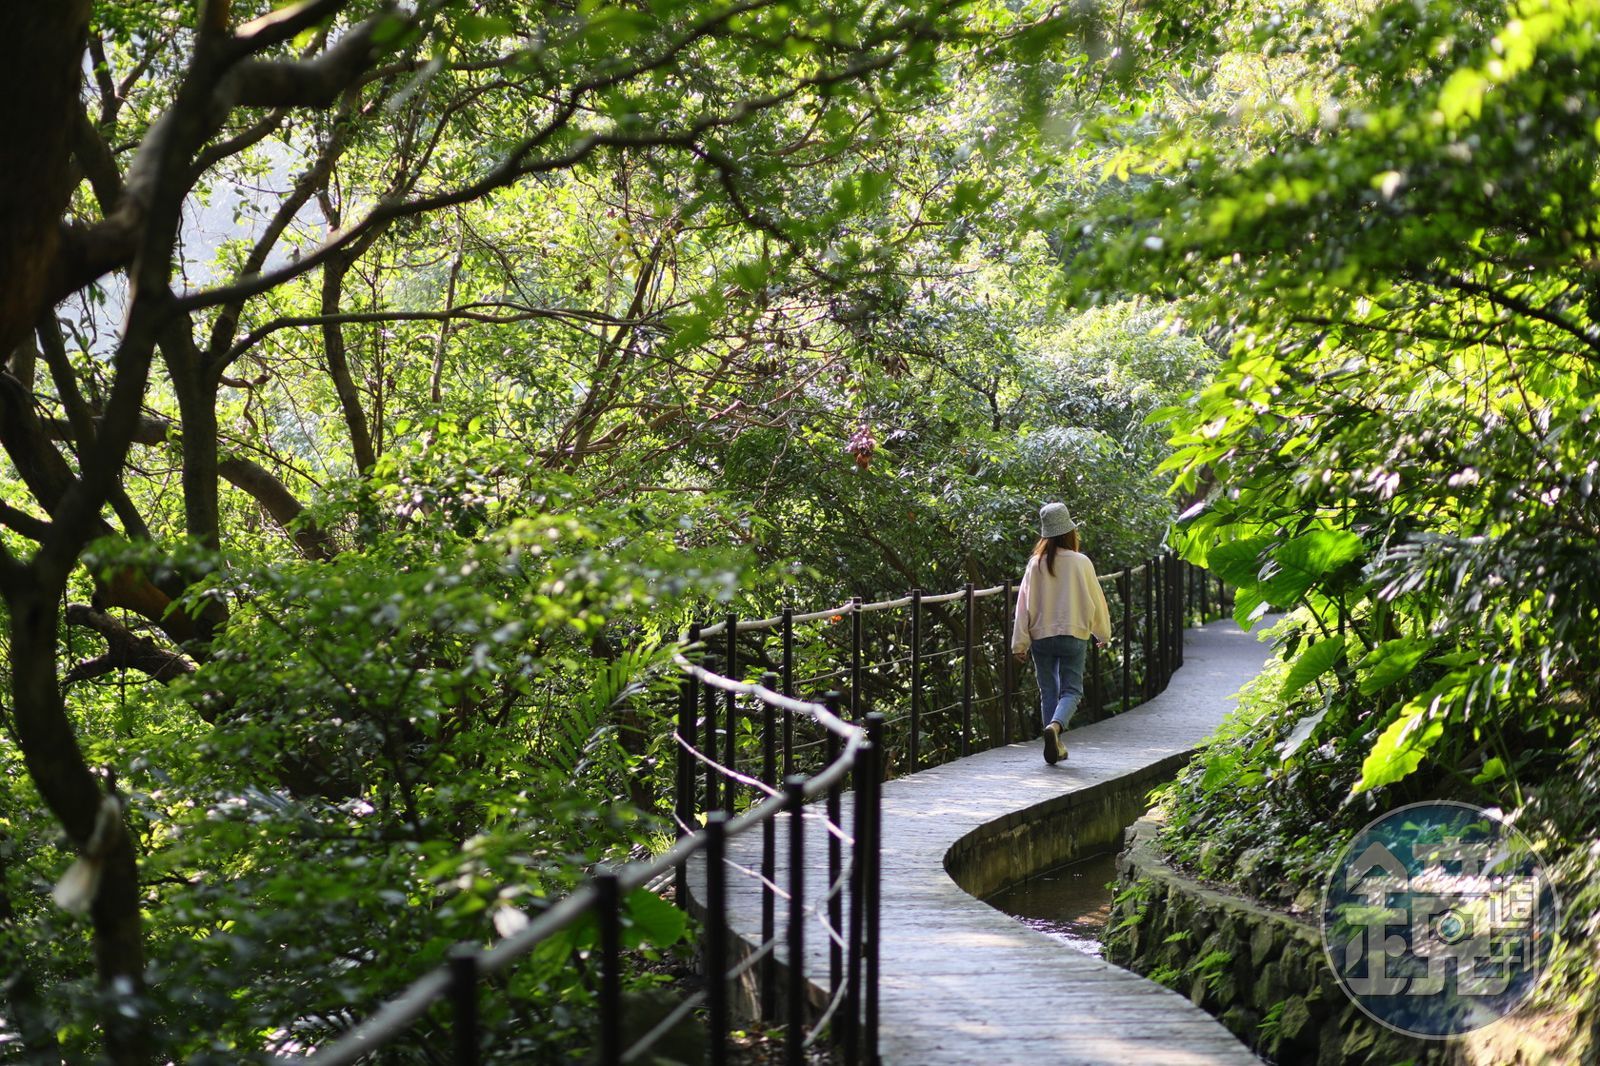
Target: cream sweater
x=1068, y=602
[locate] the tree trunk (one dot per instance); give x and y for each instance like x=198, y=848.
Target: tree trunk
x=56, y=764
x=355, y=418
x=197, y=412
x=38, y=102
x=196, y=390
x=436, y=377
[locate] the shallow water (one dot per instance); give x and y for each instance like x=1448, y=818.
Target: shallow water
x=1070, y=903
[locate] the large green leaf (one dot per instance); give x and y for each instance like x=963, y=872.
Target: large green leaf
x=1306, y=560
x=1311, y=664
x=1400, y=748
x=1391, y=661
x=653, y=920
x=1248, y=606
x=1238, y=562
x=1301, y=733
x=1407, y=740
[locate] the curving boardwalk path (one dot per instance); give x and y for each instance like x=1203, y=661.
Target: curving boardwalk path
x=963, y=983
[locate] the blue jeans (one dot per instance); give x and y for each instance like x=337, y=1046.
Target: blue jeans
x=1059, y=663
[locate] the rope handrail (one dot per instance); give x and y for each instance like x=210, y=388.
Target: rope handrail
x=844, y=610
x=817, y=711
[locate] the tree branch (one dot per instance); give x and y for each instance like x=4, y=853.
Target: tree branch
x=517, y=165
x=125, y=650
x=472, y=312
x=1587, y=334
x=313, y=541
x=302, y=82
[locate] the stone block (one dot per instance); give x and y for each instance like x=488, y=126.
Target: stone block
x=644, y=1009
x=1330, y=1046
x=1243, y=1022
x=1308, y=901
x=1224, y=992
x=1295, y=1023
x=1359, y=1040
x=1265, y=945
x=1269, y=986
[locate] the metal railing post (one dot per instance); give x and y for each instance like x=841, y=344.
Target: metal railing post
x=683, y=800
x=788, y=689
x=730, y=717
x=850, y=1028
x=1125, y=594
x=835, y=862
x=1188, y=590
x=794, y=1047
x=966, y=677
x=769, y=855
x=1006, y=683
x=874, y=883
x=1178, y=608
x=716, y=938
x=1163, y=628
x=916, y=680
x=709, y=748
x=1180, y=613
x=1185, y=595
x=463, y=962
x=1096, y=686
x=855, y=657
x=609, y=908
x=1147, y=681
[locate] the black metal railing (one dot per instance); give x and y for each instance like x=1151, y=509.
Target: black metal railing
x=952, y=685
x=798, y=787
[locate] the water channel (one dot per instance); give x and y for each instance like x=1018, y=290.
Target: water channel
x=1070, y=903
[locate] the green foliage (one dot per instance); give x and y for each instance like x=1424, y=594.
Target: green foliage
x=1312, y=663
x=443, y=755
x=1396, y=245
x=1271, y=1021
x=558, y=331
x=1392, y=662
x=1210, y=968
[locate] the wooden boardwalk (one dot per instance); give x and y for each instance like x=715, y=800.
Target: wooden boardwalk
x=963, y=983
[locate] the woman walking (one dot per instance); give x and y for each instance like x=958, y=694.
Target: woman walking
x=1059, y=608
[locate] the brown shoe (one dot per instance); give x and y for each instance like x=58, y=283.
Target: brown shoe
x=1053, y=749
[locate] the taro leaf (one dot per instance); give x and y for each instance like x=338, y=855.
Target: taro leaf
x=1493, y=770
x=1306, y=560
x=1238, y=562
x=1301, y=733
x=1402, y=746
x=1218, y=772
x=1457, y=658
x=1312, y=664
x=1391, y=661
x=652, y=920
x=1247, y=607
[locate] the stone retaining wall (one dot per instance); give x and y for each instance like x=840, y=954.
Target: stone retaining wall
x=1262, y=972
x=1072, y=826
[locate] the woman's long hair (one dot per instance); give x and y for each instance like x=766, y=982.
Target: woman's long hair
x=1048, y=546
